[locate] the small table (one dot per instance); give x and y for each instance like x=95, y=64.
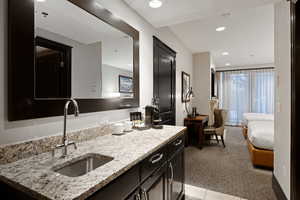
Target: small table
x=195, y=127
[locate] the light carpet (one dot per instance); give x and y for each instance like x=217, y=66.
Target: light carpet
x=228, y=170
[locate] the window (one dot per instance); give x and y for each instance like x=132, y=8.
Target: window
x=241, y=91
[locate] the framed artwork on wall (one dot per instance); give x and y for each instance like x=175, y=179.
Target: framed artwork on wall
x=125, y=84
x=185, y=86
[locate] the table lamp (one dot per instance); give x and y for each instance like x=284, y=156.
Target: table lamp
x=189, y=95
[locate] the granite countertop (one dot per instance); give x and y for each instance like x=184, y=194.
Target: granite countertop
x=35, y=177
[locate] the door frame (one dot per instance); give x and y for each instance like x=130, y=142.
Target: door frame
x=295, y=108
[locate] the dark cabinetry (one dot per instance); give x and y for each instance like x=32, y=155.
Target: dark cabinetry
x=160, y=176
x=167, y=183
x=176, y=175
x=121, y=187
x=153, y=162
x=156, y=186
x=135, y=195
x=164, y=80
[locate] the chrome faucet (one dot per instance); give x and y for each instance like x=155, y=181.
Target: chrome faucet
x=65, y=141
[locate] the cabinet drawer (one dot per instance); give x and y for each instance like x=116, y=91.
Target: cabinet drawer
x=120, y=187
x=156, y=186
x=175, y=145
x=153, y=162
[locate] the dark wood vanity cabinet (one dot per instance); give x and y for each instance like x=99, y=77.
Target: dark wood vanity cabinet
x=156, y=186
x=176, y=175
x=161, y=177
x=153, y=162
x=136, y=195
x=167, y=183
x=121, y=187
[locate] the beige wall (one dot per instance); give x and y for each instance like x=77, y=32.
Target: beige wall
x=11, y=132
x=283, y=96
x=201, y=84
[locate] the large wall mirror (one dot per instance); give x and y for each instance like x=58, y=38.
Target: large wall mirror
x=61, y=49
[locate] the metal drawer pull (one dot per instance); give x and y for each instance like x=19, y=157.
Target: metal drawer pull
x=156, y=158
x=172, y=174
x=178, y=143
x=145, y=194
x=137, y=197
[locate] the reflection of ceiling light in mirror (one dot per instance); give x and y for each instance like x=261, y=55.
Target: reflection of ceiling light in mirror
x=228, y=64
x=225, y=53
x=155, y=3
x=221, y=28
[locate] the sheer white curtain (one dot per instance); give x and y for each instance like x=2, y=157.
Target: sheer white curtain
x=246, y=91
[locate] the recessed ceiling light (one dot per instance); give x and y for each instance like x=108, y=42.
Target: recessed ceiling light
x=155, y=3
x=221, y=28
x=228, y=64
x=40, y=0
x=225, y=53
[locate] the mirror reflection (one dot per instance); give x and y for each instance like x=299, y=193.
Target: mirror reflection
x=77, y=55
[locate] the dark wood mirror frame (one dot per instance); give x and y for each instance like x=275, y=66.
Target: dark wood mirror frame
x=21, y=44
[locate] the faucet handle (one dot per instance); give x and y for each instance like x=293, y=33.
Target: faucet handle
x=59, y=146
x=53, y=152
x=73, y=143
x=65, y=146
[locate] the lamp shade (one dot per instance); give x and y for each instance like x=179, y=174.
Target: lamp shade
x=191, y=93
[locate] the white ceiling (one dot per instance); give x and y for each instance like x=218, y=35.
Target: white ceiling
x=249, y=37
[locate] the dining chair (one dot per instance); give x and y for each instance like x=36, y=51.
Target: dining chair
x=218, y=129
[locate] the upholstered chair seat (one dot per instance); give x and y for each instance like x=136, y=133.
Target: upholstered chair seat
x=218, y=129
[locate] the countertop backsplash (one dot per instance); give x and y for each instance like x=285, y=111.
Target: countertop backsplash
x=13, y=152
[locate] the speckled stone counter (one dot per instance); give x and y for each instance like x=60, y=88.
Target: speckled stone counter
x=35, y=177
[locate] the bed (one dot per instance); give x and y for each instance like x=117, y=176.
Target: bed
x=249, y=117
x=261, y=142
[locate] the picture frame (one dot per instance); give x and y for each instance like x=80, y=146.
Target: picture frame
x=185, y=85
x=125, y=84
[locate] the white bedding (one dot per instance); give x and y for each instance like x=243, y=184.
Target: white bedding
x=248, y=117
x=261, y=134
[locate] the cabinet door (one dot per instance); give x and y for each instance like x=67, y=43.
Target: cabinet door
x=164, y=80
x=135, y=196
x=176, y=175
x=155, y=187
x=121, y=187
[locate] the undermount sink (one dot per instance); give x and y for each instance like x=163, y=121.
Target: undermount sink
x=82, y=165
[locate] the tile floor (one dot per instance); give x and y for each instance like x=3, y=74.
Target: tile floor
x=196, y=193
